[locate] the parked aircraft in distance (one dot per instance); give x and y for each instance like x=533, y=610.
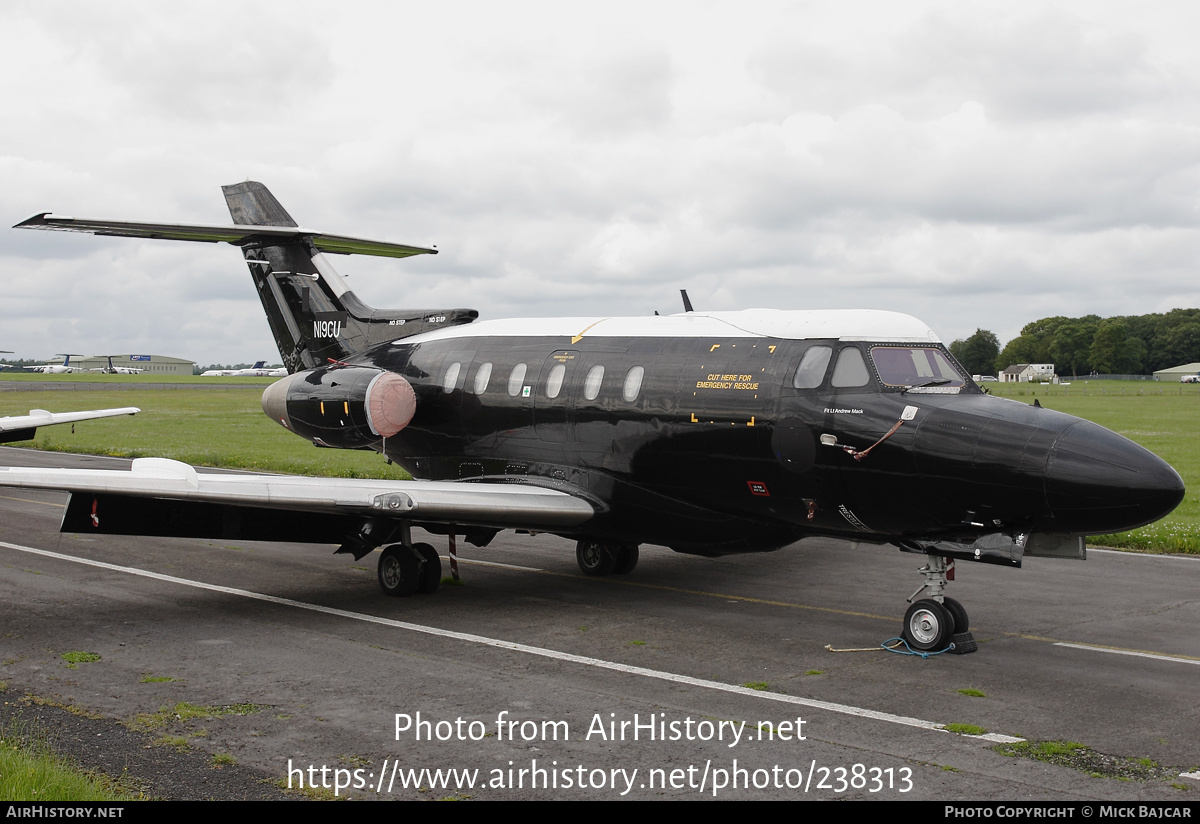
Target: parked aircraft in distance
x=258, y=370
x=64, y=368
x=118, y=370
x=24, y=427
x=706, y=432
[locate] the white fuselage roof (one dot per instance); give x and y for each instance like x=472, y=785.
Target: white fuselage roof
x=839, y=324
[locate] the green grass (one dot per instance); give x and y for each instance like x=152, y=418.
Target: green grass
x=179, y=743
x=100, y=380
x=965, y=729
x=74, y=659
x=203, y=427
x=971, y=692
x=761, y=686
x=1164, y=418
x=183, y=712
x=1086, y=760
x=31, y=771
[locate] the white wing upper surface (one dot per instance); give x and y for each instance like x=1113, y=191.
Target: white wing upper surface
x=500, y=505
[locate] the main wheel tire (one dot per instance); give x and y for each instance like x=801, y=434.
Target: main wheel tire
x=927, y=626
x=627, y=558
x=595, y=558
x=399, y=571
x=958, y=615
x=431, y=569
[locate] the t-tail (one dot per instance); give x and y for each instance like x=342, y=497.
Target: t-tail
x=313, y=314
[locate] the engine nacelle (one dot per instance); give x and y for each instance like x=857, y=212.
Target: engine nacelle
x=348, y=407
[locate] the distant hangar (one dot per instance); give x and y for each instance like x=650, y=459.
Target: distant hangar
x=149, y=364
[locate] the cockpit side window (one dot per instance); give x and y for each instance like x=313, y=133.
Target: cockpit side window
x=811, y=371
x=914, y=366
x=851, y=369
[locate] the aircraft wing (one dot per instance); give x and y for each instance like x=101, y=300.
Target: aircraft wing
x=22, y=427
x=237, y=235
x=159, y=479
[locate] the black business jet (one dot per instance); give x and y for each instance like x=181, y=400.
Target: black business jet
x=707, y=432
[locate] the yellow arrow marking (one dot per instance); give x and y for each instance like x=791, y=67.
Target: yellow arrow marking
x=579, y=337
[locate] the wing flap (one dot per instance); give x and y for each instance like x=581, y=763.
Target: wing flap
x=236, y=235
x=498, y=505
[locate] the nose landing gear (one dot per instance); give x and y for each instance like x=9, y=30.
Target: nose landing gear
x=937, y=622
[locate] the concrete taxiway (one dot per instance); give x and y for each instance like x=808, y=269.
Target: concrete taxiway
x=534, y=681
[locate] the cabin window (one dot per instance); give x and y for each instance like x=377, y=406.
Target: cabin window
x=451, y=379
x=914, y=366
x=633, y=383
x=591, y=384
x=515, y=379
x=851, y=369
x=811, y=371
x=554, y=380
x=482, y=377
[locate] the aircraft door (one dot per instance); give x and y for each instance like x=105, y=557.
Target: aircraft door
x=873, y=434
x=808, y=481
x=554, y=397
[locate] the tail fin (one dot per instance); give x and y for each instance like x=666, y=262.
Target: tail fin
x=313, y=314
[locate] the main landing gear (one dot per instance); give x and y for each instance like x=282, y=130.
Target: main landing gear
x=405, y=569
x=601, y=558
x=937, y=622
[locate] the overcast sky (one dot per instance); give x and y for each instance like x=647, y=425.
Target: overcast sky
x=973, y=164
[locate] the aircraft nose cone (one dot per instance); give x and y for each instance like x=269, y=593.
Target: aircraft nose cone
x=1098, y=481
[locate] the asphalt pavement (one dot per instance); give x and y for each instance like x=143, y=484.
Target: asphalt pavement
x=689, y=678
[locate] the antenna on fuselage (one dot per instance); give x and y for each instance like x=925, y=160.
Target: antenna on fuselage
x=687, y=303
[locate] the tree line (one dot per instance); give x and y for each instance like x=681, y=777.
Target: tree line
x=1128, y=345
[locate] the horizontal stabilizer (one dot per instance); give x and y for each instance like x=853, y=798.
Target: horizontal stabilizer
x=24, y=427
x=40, y=417
x=244, y=236
x=496, y=505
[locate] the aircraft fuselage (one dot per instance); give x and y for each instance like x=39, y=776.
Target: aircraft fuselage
x=711, y=443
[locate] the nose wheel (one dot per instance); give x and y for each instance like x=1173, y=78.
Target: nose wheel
x=936, y=623
x=928, y=626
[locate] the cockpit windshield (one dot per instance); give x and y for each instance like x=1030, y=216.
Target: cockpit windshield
x=915, y=366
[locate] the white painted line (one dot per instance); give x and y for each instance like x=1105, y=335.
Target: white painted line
x=497, y=564
x=1139, y=554
x=844, y=709
x=1173, y=659
x=1193, y=775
